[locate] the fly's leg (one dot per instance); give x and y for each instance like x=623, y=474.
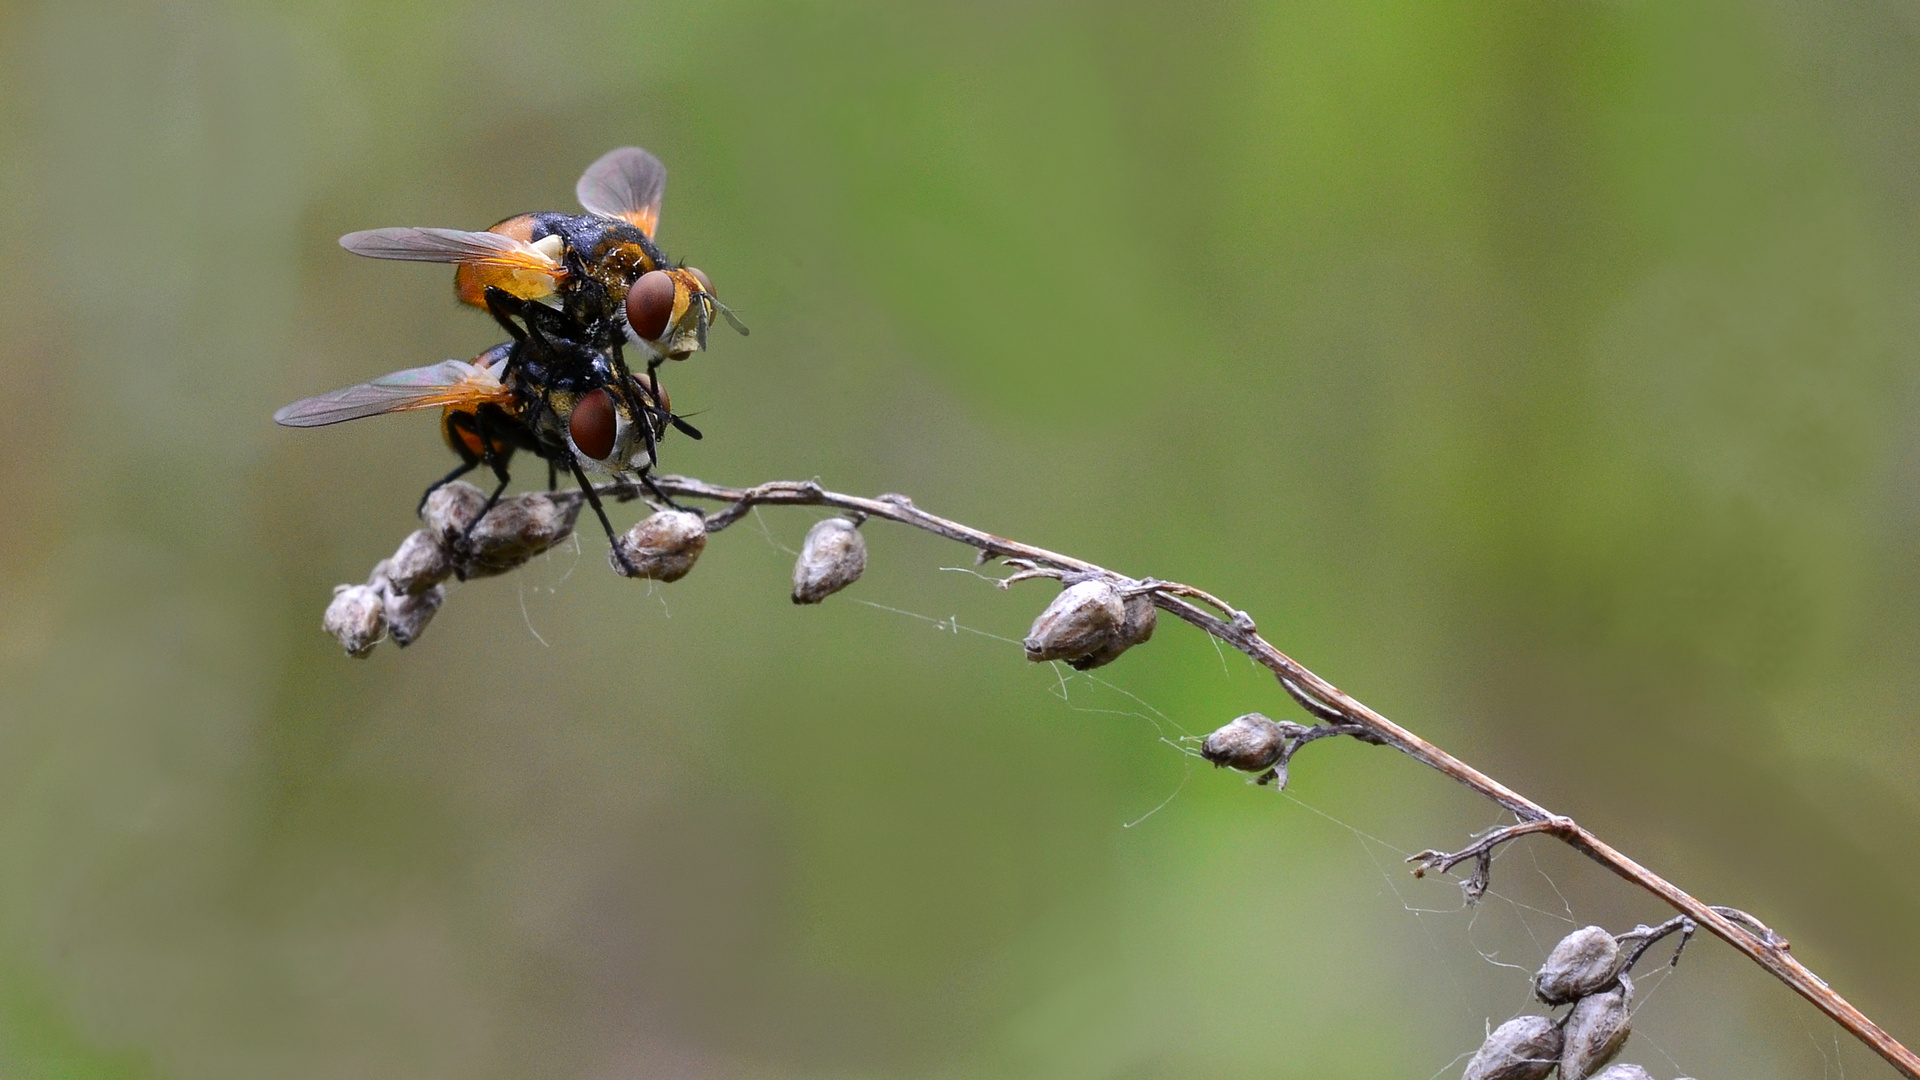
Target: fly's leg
x=626, y=386
x=460, y=425
x=498, y=462
x=458, y=472
x=456, y=424
x=644, y=415
x=495, y=460
x=593, y=500
x=653, y=489
x=503, y=306
x=553, y=476
x=653, y=381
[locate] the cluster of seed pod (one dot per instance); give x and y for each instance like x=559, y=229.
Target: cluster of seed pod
x=402, y=594
x=404, y=591
x=1090, y=624
x=1585, y=970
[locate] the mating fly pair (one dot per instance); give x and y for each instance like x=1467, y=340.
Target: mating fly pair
x=572, y=292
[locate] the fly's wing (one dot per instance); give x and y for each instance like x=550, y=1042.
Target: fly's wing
x=451, y=246
x=628, y=184
x=449, y=382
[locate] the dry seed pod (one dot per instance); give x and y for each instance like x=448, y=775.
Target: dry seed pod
x=1249, y=743
x=832, y=558
x=356, y=619
x=1624, y=1072
x=1595, y=1031
x=1081, y=621
x=409, y=613
x=1136, y=625
x=662, y=547
x=421, y=563
x=1523, y=1048
x=515, y=530
x=451, y=508
x=1582, y=963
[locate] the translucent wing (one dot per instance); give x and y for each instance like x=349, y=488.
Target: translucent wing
x=449, y=382
x=451, y=246
x=628, y=184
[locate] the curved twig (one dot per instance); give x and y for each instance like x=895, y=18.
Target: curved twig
x=1481, y=852
x=1330, y=705
x=1643, y=938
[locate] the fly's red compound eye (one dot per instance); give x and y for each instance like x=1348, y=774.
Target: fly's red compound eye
x=650, y=304
x=706, y=283
x=593, y=424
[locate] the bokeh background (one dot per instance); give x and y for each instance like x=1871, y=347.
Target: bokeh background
x=1542, y=373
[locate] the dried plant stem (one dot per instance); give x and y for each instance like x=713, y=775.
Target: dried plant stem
x=1326, y=702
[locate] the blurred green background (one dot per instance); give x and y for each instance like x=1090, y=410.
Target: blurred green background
x=1541, y=373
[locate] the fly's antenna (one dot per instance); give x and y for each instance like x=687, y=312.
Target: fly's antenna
x=679, y=422
x=727, y=312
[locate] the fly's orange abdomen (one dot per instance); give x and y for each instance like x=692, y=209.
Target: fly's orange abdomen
x=470, y=280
